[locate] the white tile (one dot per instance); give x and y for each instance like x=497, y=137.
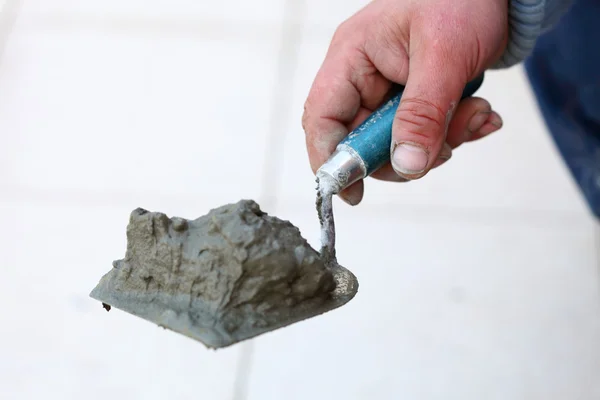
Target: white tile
x=332, y=13
x=9, y=11
x=516, y=168
x=58, y=343
x=492, y=306
x=238, y=10
x=110, y=113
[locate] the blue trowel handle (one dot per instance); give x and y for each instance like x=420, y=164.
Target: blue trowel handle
x=373, y=138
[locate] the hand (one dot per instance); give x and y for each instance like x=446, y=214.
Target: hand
x=434, y=47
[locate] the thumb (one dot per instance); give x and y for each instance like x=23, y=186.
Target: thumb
x=432, y=93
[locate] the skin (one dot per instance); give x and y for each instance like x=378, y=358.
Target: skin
x=433, y=47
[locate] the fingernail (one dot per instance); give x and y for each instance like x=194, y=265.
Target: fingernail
x=446, y=151
x=487, y=129
x=493, y=123
x=439, y=162
x=444, y=156
x=496, y=120
x=477, y=122
x=409, y=159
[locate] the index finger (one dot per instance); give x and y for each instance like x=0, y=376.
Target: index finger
x=330, y=106
x=346, y=81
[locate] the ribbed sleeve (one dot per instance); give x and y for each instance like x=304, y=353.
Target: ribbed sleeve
x=528, y=19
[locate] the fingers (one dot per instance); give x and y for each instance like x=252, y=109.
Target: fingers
x=346, y=90
x=328, y=108
x=387, y=173
x=473, y=119
x=353, y=194
x=492, y=124
x=346, y=81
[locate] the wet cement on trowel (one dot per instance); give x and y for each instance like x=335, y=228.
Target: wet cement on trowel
x=225, y=277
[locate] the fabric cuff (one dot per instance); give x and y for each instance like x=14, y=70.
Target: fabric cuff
x=528, y=19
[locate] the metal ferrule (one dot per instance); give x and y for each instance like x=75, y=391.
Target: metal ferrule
x=344, y=166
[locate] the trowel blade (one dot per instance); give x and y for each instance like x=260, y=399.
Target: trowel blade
x=168, y=313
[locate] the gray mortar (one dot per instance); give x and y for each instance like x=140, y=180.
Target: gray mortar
x=225, y=277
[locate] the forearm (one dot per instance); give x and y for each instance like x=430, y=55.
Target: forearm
x=528, y=19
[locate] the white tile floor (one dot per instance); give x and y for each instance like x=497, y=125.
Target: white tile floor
x=479, y=282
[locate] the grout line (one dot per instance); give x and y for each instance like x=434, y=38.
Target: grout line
x=282, y=93
x=90, y=198
x=9, y=12
x=160, y=27
x=452, y=213
x=174, y=27
x=291, y=35
x=242, y=372
x=426, y=212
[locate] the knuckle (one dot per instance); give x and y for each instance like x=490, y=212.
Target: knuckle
x=421, y=118
x=348, y=33
x=454, y=25
x=341, y=32
x=448, y=36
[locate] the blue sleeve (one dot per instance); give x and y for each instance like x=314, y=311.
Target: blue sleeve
x=528, y=19
x=563, y=72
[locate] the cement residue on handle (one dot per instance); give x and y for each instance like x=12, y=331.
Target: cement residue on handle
x=326, y=187
x=224, y=277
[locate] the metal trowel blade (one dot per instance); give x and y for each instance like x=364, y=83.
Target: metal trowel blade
x=167, y=311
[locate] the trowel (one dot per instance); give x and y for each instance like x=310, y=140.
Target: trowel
x=362, y=152
x=237, y=272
